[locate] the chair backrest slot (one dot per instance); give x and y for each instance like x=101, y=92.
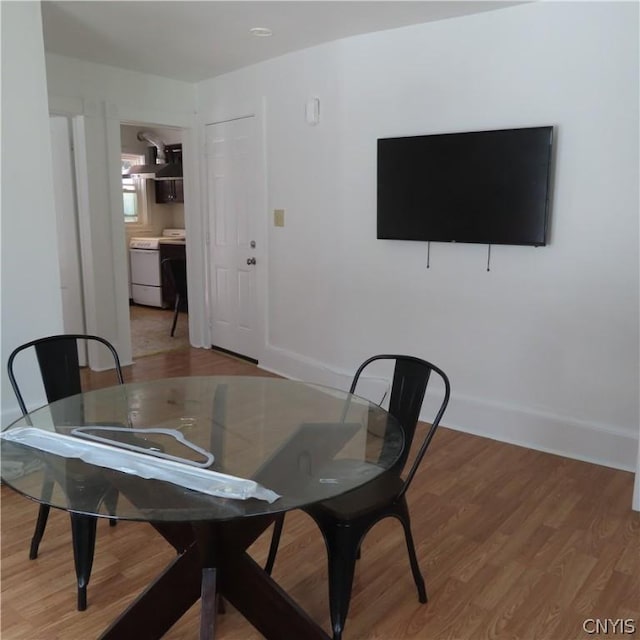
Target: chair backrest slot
x=59, y=365
x=411, y=378
x=60, y=368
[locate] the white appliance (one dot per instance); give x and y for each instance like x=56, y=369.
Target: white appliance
x=146, y=276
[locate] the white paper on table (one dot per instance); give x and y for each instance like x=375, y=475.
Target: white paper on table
x=212, y=483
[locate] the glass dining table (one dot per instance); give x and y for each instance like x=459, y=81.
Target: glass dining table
x=209, y=462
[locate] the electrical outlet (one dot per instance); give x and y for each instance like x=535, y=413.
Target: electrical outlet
x=278, y=217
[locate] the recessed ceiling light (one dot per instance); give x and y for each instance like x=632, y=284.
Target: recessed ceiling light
x=261, y=32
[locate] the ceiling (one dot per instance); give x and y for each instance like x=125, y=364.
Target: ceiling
x=193, y=41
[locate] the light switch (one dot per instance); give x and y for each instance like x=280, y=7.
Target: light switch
x=312, y=111
x=278, y=217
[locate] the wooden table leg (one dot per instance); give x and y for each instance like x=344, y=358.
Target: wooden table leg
x=213, y=560
x=163, y=603
x=248, y=587
x=208, y=605
x=206, y=535
x=264, y=603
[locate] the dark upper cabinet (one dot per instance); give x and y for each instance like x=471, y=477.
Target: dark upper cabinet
x=169, y=191
x=173, y=153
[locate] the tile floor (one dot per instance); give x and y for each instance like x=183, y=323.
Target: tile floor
x=150, y=328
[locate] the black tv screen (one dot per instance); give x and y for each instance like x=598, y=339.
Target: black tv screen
x=490, y=187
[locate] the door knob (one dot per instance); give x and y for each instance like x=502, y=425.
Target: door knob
x=251, y=261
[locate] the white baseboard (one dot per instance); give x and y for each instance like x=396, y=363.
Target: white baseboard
x=560, y=435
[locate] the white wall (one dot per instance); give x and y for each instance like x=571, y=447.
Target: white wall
x=543, y=349
x=102, y=97
x=31, y=305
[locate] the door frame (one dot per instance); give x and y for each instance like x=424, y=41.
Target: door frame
x=262, y=253
x=72, y=251
x=80, y=112
x=105, y=138
x=77, y=143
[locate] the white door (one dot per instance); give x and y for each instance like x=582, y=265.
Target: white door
x=64, y=191
x=235, y=200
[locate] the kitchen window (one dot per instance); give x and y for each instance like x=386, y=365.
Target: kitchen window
x=132, y=191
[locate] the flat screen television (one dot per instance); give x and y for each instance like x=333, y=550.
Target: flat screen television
x=491, y=187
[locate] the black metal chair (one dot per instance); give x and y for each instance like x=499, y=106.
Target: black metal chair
x=344, y=521
x=175, y=270
x=60, y=370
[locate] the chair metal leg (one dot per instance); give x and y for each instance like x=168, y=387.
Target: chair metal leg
x=83, y=533
x=342, y=546
x=175, y=315
x=111, y=502
x=342, y=539
x=41, y=523
x=275, y=541
x=413, y=560
x=43, y=515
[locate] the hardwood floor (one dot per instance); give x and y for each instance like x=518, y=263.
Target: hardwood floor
x=513, y=543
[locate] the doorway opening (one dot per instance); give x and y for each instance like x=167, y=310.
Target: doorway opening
x=155, y=231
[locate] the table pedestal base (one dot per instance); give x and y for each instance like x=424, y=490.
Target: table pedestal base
x=212, y=559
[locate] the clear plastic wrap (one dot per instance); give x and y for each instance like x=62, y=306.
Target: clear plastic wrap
x=139, y=464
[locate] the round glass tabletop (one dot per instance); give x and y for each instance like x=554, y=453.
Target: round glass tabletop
x=302, y=441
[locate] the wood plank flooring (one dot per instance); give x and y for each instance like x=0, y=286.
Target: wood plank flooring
x=513, y=544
